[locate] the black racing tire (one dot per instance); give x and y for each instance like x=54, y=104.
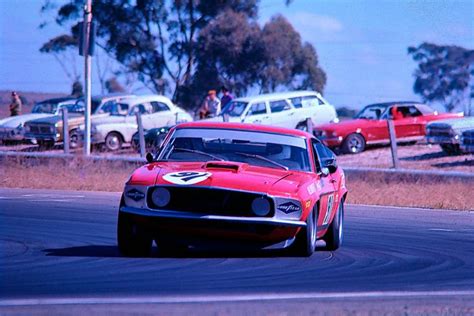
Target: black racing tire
x=132, y=239
x=451, y=149
x=353, y=144
x=113, y=141
x=170, y=249
x=335, y=233
x=305, y=243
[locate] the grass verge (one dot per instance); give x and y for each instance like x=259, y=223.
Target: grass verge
x=375, y=189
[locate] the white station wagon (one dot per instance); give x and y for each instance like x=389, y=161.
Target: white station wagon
x=287, y=109
x=121, y=125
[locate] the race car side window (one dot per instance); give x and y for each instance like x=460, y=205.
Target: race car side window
x=316, y=155
x=324, y=157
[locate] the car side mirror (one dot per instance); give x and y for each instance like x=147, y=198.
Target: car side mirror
x=324, y=172
x=330, y=163
x=149, y=157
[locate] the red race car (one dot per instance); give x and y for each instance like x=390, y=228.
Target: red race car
x=234, y=185
x=370, y=126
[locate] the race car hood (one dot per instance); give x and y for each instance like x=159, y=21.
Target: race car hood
x=222, y=174
x=14, y=121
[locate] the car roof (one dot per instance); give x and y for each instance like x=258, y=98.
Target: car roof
x=243, y=126
x=57, y=100
x=112, y=96
x=277, y=95
x=386, y=104
x=146, y=98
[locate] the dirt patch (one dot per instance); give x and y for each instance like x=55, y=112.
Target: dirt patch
x=78, y=174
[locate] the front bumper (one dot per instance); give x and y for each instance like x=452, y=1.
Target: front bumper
x=453, y=140
x=258, y=232
x=44, y=137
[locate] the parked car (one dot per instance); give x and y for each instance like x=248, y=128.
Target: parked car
x=370, y=126
x=48, y=130
x=153, y=139
x=234, y=185
x=447, y=133
x=118, y=128
x=12, y=128
x=288, y=109
x=467, y=141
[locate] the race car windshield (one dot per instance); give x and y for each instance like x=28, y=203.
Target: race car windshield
x=234, y=108
x=255, y=148
x=371, y=112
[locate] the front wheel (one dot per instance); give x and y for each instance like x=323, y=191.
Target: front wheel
x=133, y=240
x=353, y=144
x=335, y=233
x=305, y=242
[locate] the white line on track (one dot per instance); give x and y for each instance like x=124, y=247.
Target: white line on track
x=227, y=298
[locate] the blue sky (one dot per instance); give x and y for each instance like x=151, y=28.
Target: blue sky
x=362, y=44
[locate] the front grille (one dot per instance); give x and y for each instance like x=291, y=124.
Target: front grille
x=210, y=201
x=440, y=132
x=41, y=129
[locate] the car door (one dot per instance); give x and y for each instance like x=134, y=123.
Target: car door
x=162, y=115
x=326, y=186
x=283, y=114
x=410, y=125
x=258, y=114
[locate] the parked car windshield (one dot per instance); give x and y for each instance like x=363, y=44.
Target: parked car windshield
x=45, y=107
x=234, y=108
x=255, y=148
x=371, y=112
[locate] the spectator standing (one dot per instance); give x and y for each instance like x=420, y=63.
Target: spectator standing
x=226, y=96
x=211, y=105
x=15, y=106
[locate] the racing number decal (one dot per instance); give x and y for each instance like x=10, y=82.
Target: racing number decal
x=329, y=209
x=186, y=177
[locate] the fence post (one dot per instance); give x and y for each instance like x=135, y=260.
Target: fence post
x=393, y=143
x=66, y=139
x=141, y=135
x=309, y=125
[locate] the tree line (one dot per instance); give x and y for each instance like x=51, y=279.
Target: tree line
x=186, y=47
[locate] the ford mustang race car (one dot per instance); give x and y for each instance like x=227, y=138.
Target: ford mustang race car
x=234, y=185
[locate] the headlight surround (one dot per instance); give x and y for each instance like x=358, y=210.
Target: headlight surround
x=261, y=206
x=161, y=197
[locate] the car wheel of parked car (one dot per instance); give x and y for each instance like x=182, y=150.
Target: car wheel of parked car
x=451, y=149
x=302, y=126
x=133, y=241
x=113, y=141
x=335, y=233
x=353, y=144
x=305, y=242
x=74, y=139
x=45, y=144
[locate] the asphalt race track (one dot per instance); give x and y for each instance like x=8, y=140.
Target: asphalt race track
x=58, y=253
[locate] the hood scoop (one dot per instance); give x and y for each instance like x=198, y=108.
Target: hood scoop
x=224, y=165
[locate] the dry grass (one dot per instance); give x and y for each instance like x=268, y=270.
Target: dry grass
x=374, y=189
x=421, y=192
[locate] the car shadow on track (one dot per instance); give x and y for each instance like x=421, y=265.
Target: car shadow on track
x=107, y=251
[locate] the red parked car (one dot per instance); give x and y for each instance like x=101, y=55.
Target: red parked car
x=370, y=126
x=234, y=185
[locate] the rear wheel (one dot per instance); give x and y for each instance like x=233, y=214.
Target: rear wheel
x=133, y=240
x=305, y=242
x=353, y=144
x=335, y=233
x=113, y=141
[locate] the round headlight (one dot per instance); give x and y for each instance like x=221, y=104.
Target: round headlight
x=161, y=197
x=261, y=206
